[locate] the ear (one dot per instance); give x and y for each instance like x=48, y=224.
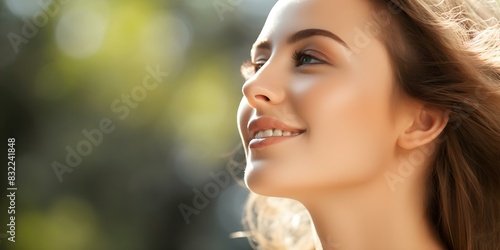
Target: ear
x=426, y=126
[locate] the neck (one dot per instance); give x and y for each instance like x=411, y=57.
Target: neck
x=372, y=217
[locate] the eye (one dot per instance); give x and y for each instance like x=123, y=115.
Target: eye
x=302, y=58
x=249, y=68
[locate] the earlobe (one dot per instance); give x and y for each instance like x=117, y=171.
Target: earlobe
x=427, y=125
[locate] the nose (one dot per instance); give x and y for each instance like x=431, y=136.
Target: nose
x=264, y=88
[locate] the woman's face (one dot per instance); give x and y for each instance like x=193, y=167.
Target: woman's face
x=323, y=76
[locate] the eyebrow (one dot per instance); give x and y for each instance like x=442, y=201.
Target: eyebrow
x=303, y=34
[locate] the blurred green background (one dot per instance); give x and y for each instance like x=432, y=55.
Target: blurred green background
x=68, y=65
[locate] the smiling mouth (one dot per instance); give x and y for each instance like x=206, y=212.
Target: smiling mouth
x=268, y=137
x=267, y=130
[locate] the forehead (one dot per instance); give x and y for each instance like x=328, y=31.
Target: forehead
x=341, y=17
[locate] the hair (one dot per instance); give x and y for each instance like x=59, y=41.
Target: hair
x=445, y=54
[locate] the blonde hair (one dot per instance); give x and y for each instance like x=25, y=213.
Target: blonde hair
x=447, y=55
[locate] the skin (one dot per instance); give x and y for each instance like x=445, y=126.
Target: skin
x=361, y=164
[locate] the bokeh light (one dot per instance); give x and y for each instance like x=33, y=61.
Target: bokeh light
x=80, y=31
x=25, y=8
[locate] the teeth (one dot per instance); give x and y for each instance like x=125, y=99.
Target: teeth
x=260, y=134
x=275, y=132
x=268, y=133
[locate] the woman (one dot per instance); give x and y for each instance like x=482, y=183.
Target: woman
x=374, y=125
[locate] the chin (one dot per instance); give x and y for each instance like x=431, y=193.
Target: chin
x=259, y=184
x=255, y=182
x=262, y=184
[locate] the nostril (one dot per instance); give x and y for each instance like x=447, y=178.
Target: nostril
x=262, y=97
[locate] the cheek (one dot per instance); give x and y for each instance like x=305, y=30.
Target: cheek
x=350, y=133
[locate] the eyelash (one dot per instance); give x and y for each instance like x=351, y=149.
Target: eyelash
x=248, y=68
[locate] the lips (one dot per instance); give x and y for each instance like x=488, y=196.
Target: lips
x=267, y=130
